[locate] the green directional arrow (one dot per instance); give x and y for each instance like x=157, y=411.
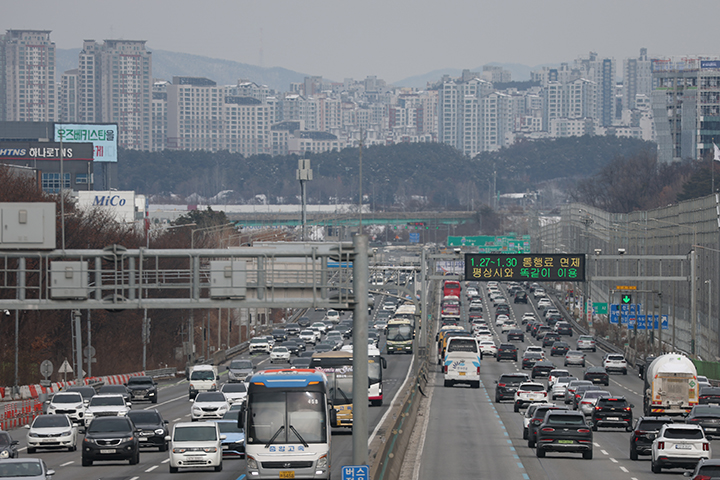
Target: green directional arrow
x=626, y=299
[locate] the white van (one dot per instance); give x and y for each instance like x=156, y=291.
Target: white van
x=203, y=378
x=462, y=362
x=195, y=445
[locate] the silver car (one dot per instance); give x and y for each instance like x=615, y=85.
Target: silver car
x=587, y=403
x=560, y=387
x=27, y=468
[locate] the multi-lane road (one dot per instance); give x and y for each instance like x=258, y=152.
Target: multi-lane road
x=470, y=436
x=174, y=406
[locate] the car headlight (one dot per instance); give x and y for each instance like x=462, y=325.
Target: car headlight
x=179, y=450
x=222, y=409
x=33, y=434
x=126, y=439
x=210, y=449
x=197, y=410
x=159, y=431
x=122, y=413
x=252, y=463
x=322, y=462
x=4, y=454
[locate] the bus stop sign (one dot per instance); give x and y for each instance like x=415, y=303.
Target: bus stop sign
x=355, y=472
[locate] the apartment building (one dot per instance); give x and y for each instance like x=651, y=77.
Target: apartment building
x=27, y=77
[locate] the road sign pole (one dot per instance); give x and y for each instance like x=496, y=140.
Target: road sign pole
x=360, y=350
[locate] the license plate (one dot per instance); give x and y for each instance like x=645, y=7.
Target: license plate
x=108, y=450
x=287, y=474
x=613, y=418
x=683, y=447
x=461, y=373
x=226, y=447
x=142, y=439
x=194, y=459
x=566, y=441
x=708, y=429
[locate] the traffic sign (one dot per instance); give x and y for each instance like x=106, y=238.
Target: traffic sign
x=615, y=313
x=355, y=472
x=46, y=368
x=601, y=308
x=65, y=368
x=89, y=351
x=625, y=299
x=625, y=287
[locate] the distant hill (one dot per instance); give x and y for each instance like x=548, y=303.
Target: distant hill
x=519, y=72
x=225, y=72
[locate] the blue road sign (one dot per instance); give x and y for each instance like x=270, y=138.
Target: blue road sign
x=665, y=322
x=640, y=322
x=414, y=237
x=355, y=472
x=624, y=313
x=615, y=313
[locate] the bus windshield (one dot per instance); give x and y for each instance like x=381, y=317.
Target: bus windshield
x=399, y=333
x=340, y=389
x=286, y=417
x=374, y=370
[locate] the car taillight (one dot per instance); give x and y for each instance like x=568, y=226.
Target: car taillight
x=661, y=445
x=628, y=409
x=703, y=477
x=706, y=447
x=598, y=408
x=544, y=394
x=583, y=430
x=478, y=370
x=586, y=403
x=548, y=429
x=694, y=420
x=446, y=369
x=703, y=397
x=501, y=384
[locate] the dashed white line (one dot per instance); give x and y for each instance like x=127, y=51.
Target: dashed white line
x=151, y=468
x=596, y=444
x=613, y=460
x=134, y=478
x=177, y=419
x=165, y=461
x=67, y=463
x=603, y=451
x=624, y=469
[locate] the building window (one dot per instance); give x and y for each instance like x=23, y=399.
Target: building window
x=51, y=182
x=81, y=178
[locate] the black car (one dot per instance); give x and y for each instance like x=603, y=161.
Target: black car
x=324, y=347
x=564, y=328
x=709, y=395
x=530, y=359
x=86, y=392
x=304, y=322
x=152, y=428
x=502, y=309
x=520, y=297
x=110, y=438
x=142, y=388
x=279, y=334
x=300, y=362
x=597, y=375
x=292, y=346
x=645, y=431
x=475, y=312
x=8, y=446
x=612, y=412
x=559, y=348
x=507, y=384
x=292, y=328
x=707, y=468
x=549, y=339
x=515, y=334
x=707, y=416
x=115, y=390
x=507, y=351
x=542, y=368
x=564, y=431
x=537, y=420
x=541, y=330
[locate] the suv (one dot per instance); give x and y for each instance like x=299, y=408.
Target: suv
x=239, y=370
x=563, y=328
x=646, y=429
x=152, y=428
x=520, y=297
x=597, y=375
x=111, y=405
x=111, y=438
x=564, y=431
x=507, y=351
x=586, y=342
x=614, y=362
x=196, y=445
x=142, y=388
x=542, y=368
x=612, y=412
x=549, y=338
x=529, y=392
x=259, y=344
x=507, y=385
x=679, y=445
x=68, y=403
x=292, y=328
x=537, y=420
x=279, y=334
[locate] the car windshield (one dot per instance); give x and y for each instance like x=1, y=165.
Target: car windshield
x=258, y=340
x=651, y=425
x=203, y=374
x=280, y=350
x=51, y=421
x=67, y=398
x=142, y=417
x=566, y=419
x=199, y=433
x=709, y=471
x=234, y=388
x=29, y=468
x=109, y=425
x=107, y=401
x=140, y=381
x=241, y=365
x=594, y=394
x=616, y=358
x=112, y=389
x=532, y=388
x=694, y=434
x=5, y=439
x=210, y=397
x=229, y=427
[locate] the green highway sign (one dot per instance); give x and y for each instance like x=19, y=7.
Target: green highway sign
x=600, y=308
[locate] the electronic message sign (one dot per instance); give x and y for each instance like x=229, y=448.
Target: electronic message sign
x=525, y=267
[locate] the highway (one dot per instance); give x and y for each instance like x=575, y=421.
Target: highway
x=470, y=436
x=174, y=406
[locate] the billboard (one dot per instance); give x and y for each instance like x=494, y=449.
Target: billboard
x=103, y=137
x=126, y=206
x=525, y=267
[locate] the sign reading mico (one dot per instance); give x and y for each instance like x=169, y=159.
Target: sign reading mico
x=525, y=267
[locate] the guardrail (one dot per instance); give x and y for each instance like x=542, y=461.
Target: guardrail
x=161, y=372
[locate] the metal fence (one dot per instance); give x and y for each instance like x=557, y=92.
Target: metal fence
x=675, y=230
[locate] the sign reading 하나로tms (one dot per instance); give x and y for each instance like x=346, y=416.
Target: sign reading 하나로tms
x=104, y=138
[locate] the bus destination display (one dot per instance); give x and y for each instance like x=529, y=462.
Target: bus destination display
x=525, y=267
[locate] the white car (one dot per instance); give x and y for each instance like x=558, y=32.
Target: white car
x=234, y=392
x=319, y=326
x=507, y=326
x=487, y=347
x=527, y=316
x=52, y=431
x=280, y=354
x=309, y=336
x=332, y=315
x=105, y=406
x=529, y=392
x=502, y=318
x=535, y=349
x=539, y=293
x=195, y=445
x=614, y=362
x=679, y=445
x=68, y=403
x=544, y=302
x=471, y=292
x=586, y=342
x=555, y=374
x=259, y=344
x=209, y=406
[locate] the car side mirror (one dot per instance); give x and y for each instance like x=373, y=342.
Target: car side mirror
x=241, y=418
x=125, y=384
x=384, y=362
x=50, y=473
x=217, y=377
x=167, y=438
x=15, y=442
x=333, y=417
x=254, y=367
x=154, y=383
x=27, y=426
x=166, y=422
x=632, y=406
x=223, y=437
x=128, y=404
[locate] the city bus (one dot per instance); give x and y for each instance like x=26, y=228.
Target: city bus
x=400, y=335
x=287, y=425
x=343, y=360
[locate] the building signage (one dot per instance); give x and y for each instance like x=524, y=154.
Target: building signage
x=44, y=151
x=103, y=137
x=709, y=63
x=525, y=267
x=124, y=205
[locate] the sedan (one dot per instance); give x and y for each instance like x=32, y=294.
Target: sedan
x=309, y=336
x=575, y=357
x=234, y=392
x=233, y=443
x=559, y=348
x=530, y=359
x=8, y=446
x=542, y=369
x=31, y=468
x=707, y=416
x=209, y=406
x=597, y=375
x=588, y=401
x=487, y=347
x=280, y=354
x=544, y=303
x=49, y=431
x=515, y=334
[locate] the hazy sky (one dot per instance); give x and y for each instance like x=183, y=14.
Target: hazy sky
x=392, y=39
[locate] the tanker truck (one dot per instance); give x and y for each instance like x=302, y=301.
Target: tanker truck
x=671, y=386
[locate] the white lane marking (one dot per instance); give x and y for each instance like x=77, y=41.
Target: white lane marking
x=155, y=405
x=151, y=468
x=624, y=469
x=603, y=451
x=67, y=463
x=134, y=478
x=387, y=412
x=165, y=461
x=596, y=444
x=177, y=419
x=613, y=460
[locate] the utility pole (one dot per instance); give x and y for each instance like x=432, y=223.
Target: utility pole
x=360, y=351
x=360, y=200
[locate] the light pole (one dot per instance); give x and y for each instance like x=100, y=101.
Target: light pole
x=304, y=173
